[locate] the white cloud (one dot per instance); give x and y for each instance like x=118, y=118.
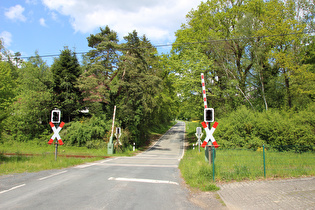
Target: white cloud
x=42, y=22
x=6, y=37
x=54, y=16
x=15, y=13
x=158, y=19
x=34, y=2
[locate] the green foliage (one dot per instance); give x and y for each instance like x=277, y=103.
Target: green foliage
x=196, y=171
x=237, y=45
x=91, y=133
x=130, y=77
x=7, y=91
x=65, y=72
x=248, y=129
x=7, y=85
x=30, y=113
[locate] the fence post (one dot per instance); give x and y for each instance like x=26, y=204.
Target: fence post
x=213, y=168
x=264, y=156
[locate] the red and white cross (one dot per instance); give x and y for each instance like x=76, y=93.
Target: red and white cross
x=209, y=134
x=56, y=133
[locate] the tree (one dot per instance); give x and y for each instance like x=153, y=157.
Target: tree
x=7, y=91
x=65, y=72
x=139, y=86
x=254, y=48
x=231, y=56
x=8, y=84
x=30, y=113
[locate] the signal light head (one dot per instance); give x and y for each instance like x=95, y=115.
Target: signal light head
x=209, y=115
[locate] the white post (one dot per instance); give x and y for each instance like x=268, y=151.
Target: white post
x=134, y=146
x=111, y=135
x=110, y=146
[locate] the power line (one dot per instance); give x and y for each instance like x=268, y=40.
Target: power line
x=187, y=43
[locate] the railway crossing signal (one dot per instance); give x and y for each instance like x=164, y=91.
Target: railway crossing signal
x=199, y=135
x=118, y=134
x=209, y=115
x=55, y=118
x=56, y=133
x=209, y=134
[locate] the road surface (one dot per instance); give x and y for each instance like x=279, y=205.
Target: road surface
x=150, y=180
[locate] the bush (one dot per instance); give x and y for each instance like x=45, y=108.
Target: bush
x=87, y=132
x=282, y=130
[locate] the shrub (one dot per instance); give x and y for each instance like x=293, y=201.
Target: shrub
x=282, y=130
x=88, y=132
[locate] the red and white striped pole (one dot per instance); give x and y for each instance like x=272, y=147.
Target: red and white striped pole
x=204, y=90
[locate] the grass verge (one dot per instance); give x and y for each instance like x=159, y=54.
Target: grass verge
x=239, y=165
x=21, y=164
x=44, y=158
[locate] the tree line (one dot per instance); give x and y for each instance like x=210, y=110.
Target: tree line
x=254, y=53
x=128, y=76
x=258, y=58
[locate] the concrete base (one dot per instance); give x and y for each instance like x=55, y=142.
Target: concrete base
x=110, y=148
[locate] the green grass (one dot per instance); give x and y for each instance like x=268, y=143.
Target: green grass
x=21, y=164
x=196, y=171
x=45, y=158
x=239, y=165
x=36, y=147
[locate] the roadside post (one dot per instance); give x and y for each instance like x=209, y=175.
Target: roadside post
x=199, y=135
x=55, y=118
x=118, y=134
x=117, y=144
x=110, y=145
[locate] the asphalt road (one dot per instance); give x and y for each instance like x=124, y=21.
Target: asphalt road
x=150, y=180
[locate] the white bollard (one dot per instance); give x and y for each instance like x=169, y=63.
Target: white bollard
x=134, y=146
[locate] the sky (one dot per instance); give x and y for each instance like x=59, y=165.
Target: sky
x=47, y=26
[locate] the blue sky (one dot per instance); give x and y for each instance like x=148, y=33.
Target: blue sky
x=47, y=26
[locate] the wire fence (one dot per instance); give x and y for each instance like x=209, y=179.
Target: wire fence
x=266, y=162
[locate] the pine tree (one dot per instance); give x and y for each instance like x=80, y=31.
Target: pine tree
x=66, y=71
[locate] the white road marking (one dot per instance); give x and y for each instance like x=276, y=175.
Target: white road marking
x=148, y=158
x=52, y=175
x=86, y=165
x=13, y=188
x=144, y=155
x=143, y=180
x=93, y=164
x=141, y=165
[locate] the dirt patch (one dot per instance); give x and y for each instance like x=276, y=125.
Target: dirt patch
x=207, y=200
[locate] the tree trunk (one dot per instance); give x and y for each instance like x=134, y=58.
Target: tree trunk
x=287, y=85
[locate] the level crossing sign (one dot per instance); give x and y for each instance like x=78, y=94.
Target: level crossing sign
x=209, y=134
x=56, y=133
